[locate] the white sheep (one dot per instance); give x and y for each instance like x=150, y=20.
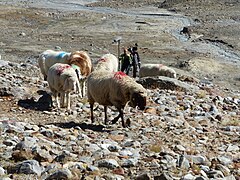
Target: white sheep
x=78, y=58
x=114, y=89
x=63, y=79
x=107, y=62
x=49, y=58
x=156, y=70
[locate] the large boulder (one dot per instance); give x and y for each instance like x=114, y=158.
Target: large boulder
x=163, y=82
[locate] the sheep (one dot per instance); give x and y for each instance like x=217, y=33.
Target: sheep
x=63, y=79
x=114, y=89
x=107, y=62
x=83, y=61
x=49, y=58
x=79, y=58
x=156, y=70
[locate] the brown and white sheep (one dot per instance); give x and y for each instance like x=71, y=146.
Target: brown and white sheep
x=156, y=70
x=63, y=79
x=114, y=89
x=108, y=62
x=78, y=58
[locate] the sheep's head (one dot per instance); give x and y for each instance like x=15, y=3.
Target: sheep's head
x=82, y=60
x=70, y=84
x=138, y=99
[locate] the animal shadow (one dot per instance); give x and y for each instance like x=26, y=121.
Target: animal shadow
x=83, y=126
x=44, y=103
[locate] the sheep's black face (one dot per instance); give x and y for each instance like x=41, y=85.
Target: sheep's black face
x=138, y=99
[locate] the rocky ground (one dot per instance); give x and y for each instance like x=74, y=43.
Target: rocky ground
x=191, y=127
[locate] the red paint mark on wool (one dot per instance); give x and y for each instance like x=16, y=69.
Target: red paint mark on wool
x=61, y=68
x=102, y=60
x=119, y=75
x=160, y=66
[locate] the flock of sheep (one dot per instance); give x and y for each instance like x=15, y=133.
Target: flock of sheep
x=69, y=72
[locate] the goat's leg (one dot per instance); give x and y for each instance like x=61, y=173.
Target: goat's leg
x=105, y=115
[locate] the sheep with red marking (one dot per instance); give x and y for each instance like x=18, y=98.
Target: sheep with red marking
x=78, y=58
x=156, y=70
x=107, y=62
x=63, y=79
x=114, y=89
x=51, y=57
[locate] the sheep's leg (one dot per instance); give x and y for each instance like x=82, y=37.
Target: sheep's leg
x=120, y=115
x=80, y=90
x=68, y=100
x=62, y=99
x=83, y=88
x=105, y=113
x=57, y=100
x=91, y=107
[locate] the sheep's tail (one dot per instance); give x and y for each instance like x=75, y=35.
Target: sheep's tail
x=41, y=63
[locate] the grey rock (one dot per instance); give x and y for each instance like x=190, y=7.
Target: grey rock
x=224, y=160
x=92, y=168
x=41, y=154
x=225, y=170
x=2, y=171
x=129, y=162
x=231, y=148
x=9, y=142
x=60, y=174
x=27, y=143
x=196, y=159
x=166, y=83
x=183, y=162
x=27, y=167
x=108, y=163
x=3, y=63
x=232, y=128
x=205, y=168
x=144, y=176
x=231, y=177
x=200, y=178
x=188, y=177
x=215, y=174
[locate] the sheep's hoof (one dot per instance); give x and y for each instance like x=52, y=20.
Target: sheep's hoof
x=128, y=122
x=69, y=111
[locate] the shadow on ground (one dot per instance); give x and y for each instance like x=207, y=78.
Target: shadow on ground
x=44, y=103
x=83, y=126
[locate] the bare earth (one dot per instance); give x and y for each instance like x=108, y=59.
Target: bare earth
x=211, y=54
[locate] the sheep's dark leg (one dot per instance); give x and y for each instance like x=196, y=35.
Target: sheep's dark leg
x=105, y=113
x=91, y=107
x=120, y=115
x=62, y=99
